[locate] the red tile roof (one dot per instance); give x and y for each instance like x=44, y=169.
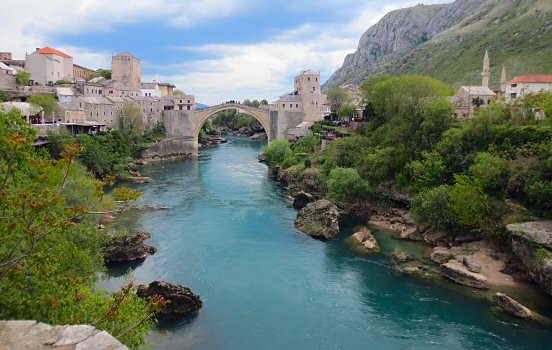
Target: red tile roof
x=533, y=78
x=49, y=50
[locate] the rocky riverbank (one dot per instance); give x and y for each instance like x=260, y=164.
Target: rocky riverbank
x=469, y=259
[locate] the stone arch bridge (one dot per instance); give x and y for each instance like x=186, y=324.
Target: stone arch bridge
x=183, y=128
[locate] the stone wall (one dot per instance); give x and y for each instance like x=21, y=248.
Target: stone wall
x=172, y=148
x=7, y=81
x=38, y=336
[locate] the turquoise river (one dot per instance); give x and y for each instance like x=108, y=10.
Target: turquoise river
x=228, y=234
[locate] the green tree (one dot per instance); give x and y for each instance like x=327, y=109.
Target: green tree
x=491, y=171
x=337, y=97
x=347, y=110
x=367, y=87
x=469, y=203
x=345, y=184
x=264, y=102
x=277, y=151
x=433, y=206
x=23, y=77
x=131, y=119
x=46, y=101
x=51, y=249
x=178, y=92
x=429, y=172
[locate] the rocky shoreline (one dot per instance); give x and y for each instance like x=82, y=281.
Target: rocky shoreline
x=467, y=259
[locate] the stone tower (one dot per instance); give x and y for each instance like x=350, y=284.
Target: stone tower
x=503, y=81
x=127, y=69
x=486, y=74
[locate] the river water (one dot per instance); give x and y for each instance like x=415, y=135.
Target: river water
x=228, y=235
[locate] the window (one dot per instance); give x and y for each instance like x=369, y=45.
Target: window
x=313, y=89
x=297, y=105
x=188, y=107
x=290, y=105
x=514, y=95
x=308, y=78
x=514, y=85
x=180, y=101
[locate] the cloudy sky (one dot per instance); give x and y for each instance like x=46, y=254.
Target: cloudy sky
x=215, y=49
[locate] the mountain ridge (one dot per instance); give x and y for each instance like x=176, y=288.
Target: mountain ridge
x=518, y=33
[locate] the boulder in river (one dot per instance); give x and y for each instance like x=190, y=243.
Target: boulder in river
x=319, y=219
x=182, y=301
x=365, y=238
x=302, y=199
x=459, y=273
x=511, y=306
x=399, y=256
x=128, y=248
x=441, y=255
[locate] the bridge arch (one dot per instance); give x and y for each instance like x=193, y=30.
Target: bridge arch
x=262, y=115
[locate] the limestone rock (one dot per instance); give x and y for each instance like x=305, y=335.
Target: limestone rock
x=182, y=301
x=511, y=306
x=397, y=33
x=539, y=232
x=411, y=269
x=471, y=264
x=302, y=199
x=18, y=334
x=457, y=272
x=440, y=255
x=319, y=219
x=400, y=256
x=366, y=240
x=526, y=237
x=128, y=248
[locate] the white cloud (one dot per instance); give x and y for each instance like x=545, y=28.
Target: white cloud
x=233, y=71
x=27, y=24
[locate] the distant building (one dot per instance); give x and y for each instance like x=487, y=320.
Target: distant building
x=178, y=102
x=7, y=77
x=526, y=84
x=166, y=89
x=71, y=112
x=5, y=56
x=65, y=94
x=48, y=65
x=127, y=69
x=306, y=98
x=82, y=73
x=468, y=98
x=151, y=89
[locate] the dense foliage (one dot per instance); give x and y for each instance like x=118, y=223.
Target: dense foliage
x=106, y=154
x=458, y=173
x=51, y=247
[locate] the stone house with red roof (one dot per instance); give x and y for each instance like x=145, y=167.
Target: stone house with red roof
x=526, y=84
x=48, y=65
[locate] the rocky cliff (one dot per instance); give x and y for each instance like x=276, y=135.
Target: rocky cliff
x=448, y=41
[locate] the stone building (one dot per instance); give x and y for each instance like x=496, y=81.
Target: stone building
x=166, y=89
x=127, y=69
x=178, y=102
x=7, y=77
x=48, y=65
x=5, y=56
x=306, y=98
x=71, y=112
x=526, y=84
x=468, y=98
x=82, y=73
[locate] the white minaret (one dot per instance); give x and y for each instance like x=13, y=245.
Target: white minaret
x=486, y=74
x=503, y=81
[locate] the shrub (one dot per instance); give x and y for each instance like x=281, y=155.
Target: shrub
x=540, y=193
x=491, y=171
x=345, y=184
x=429, y=172
x=289, y=162
x=277, y=151
x=469, y=203
x=306, y=144
x=23, y=78
x=433, y=206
